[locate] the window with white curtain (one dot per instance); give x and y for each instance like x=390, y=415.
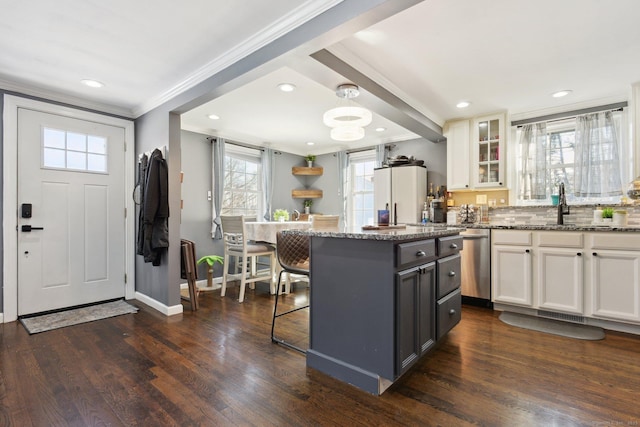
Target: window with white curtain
x=360, y=195
x=547, y=155
x=242, y=182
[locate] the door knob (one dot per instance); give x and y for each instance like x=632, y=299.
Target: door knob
x=421, y=253
x=27, y=228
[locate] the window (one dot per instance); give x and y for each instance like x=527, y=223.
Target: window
x=360, y=200
x=559, y=162
x=73, y=151
x=242, y=182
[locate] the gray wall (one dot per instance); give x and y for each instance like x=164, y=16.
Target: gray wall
x=153, y=130
x=434, y=156
x=195, y=222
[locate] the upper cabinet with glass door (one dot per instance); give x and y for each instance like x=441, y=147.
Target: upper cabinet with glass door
x=488, y=151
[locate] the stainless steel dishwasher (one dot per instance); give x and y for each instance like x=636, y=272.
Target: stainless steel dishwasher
x=476, y=266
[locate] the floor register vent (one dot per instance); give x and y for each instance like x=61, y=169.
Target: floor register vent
x=562, y=316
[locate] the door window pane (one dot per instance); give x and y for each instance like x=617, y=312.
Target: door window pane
x=74, y=151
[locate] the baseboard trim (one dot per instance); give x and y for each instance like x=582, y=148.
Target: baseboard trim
x=157, y=305
x=1, y=317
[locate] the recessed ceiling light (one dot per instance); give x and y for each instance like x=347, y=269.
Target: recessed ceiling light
x=561, y=93
x=287, y=87
x=213, y=117
x=92, y=83
x=310, y=143
x=380, y=129
x=463, y=104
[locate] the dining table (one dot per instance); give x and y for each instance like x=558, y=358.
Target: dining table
x=266, y=231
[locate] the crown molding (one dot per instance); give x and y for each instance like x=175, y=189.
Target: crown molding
x=50, y=95
x=307, y=11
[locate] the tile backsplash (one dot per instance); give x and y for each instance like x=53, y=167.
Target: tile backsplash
x=541, y=215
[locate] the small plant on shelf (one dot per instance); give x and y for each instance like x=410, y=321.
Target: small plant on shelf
x=281, y=215
x=607, y=213
x=310, y=158
x=307, y=205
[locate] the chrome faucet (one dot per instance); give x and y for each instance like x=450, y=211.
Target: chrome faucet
x=563, y=208
x=296, y=214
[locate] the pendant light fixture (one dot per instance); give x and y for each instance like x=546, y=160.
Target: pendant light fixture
x=347, y=122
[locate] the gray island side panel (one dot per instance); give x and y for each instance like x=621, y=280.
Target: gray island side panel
x=352, y=310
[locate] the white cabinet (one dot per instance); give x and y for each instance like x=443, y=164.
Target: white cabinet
x=559, y=273
x=458, y=149
x=615, y=275
x=487, y=150
x=403, y=189
x=475, y=153
x=511, y=267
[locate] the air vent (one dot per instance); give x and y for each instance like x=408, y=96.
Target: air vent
x=562, y=316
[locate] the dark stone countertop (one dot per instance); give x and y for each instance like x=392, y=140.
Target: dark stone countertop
x=554, y=227
x=411, y=232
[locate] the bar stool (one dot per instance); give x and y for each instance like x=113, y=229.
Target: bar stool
x=293, y=256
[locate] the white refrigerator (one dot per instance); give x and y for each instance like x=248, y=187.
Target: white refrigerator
x=403, y=189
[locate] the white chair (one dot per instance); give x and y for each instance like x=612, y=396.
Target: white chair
x=246, y=254
x=325, y=222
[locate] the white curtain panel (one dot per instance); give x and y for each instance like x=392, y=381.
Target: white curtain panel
x=343, y=185
x=217, y=186
x=597, y=163
x=533, y=170
x=267, y=181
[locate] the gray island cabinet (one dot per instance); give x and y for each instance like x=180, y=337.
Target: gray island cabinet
x=380, y=300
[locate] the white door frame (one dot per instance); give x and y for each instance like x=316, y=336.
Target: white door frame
x=10, y=193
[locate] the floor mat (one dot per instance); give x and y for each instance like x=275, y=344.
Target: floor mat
x=550, y=326
x=61, y=319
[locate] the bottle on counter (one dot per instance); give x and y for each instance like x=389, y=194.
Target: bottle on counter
x=425, y=213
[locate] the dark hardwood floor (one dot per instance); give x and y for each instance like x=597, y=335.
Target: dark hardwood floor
x=217, y=366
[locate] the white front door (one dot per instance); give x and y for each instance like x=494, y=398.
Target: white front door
x=71, y=212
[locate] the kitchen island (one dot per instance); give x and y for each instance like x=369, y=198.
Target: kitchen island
x=380, y=300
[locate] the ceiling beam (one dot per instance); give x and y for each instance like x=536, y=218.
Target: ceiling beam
x=380, y=100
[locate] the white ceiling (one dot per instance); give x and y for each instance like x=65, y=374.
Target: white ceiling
x=497, y=54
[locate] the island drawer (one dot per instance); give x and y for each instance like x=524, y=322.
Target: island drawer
x=449, y=245
x=448, y=311
x=449, y=274
x=414, y=253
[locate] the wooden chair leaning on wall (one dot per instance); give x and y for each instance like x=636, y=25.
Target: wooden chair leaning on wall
x=293, y=256
x=189, y=271
x=235, y=245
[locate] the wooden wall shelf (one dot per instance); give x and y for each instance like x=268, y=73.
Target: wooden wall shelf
x=306, y=194
x=300, y=170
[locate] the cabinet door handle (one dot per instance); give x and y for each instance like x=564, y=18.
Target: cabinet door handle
x=595, y=254
x=421, y=253
x=579, y=254
x=453, y=246
x=452, y=312
x=452, y=273
x=527, y=251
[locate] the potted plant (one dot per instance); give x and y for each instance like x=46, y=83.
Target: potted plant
x=307, y=205
x=310, y=158
x=607, y=214
x=281, y=215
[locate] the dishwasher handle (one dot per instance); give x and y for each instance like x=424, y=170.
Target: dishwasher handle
x=474, y=236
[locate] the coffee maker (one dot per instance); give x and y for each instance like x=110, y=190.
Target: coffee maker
x=438, y=211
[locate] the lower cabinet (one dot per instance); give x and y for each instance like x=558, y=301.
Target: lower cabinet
x=428, y=299
x=593, y=274
x=415, y=322
x=511, y=267
x=615, y=276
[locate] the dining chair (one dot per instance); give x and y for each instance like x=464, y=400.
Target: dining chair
x=189, y=271
x=293, y=256
x=325, y=222
x=246, y=254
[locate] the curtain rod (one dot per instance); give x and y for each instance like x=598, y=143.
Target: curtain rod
x=569, y=114
x=239, y=144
